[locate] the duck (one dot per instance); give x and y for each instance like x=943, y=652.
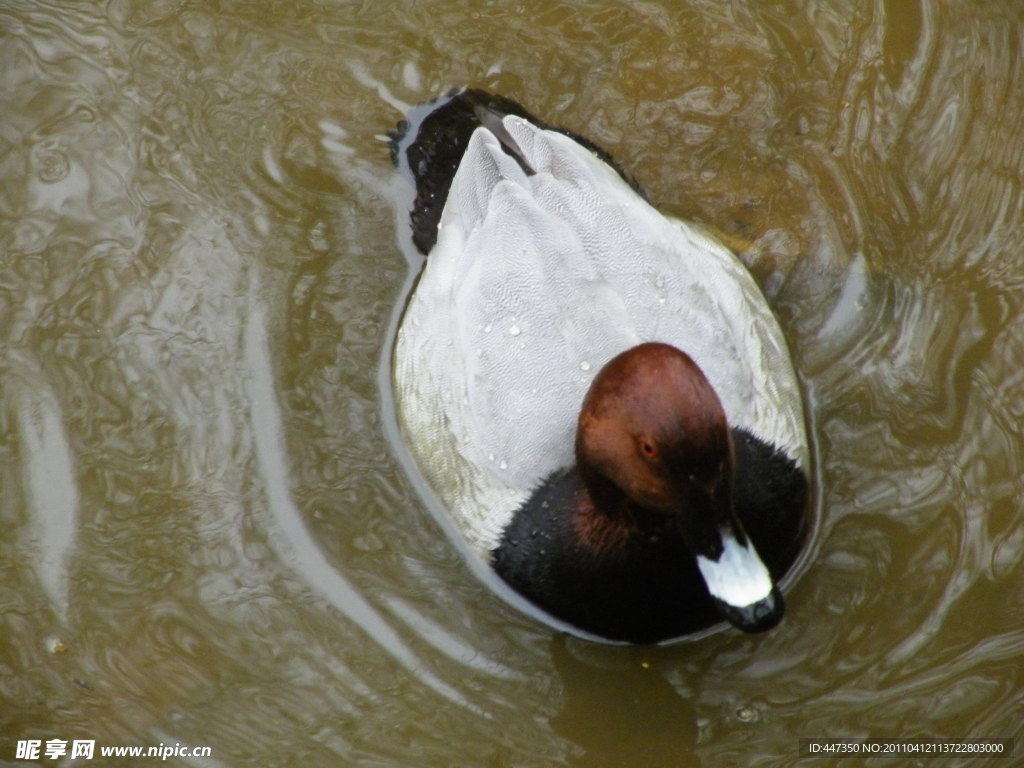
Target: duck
x=597, y=393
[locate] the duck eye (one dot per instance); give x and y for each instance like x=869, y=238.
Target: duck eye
x=647, y=449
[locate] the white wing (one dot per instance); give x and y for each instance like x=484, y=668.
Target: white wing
x=536, y=281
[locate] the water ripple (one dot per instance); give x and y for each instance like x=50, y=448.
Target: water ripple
x=200, y=273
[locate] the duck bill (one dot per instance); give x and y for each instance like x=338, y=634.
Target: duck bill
x=740, y=584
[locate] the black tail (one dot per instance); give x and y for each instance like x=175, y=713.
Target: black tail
x=432, y=141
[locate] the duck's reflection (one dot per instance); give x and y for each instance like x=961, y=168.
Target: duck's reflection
x=621, y=710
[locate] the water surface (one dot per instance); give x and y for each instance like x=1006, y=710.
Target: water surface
x=207, y=538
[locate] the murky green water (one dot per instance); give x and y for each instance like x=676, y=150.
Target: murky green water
x=206, y=539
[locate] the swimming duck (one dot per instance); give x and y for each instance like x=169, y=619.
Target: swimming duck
x=598, y=393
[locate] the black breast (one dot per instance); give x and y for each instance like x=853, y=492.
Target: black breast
x=648, y=589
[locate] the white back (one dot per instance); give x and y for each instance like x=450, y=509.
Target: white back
x=534, y=284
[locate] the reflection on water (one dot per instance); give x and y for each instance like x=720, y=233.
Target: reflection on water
x=621, y=710
x=207, y=539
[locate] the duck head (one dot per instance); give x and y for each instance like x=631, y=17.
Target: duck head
x=655, y=452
